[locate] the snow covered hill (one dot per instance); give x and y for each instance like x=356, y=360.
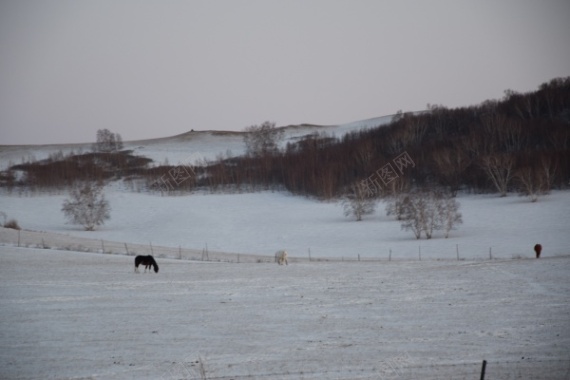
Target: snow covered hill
x=186, y=148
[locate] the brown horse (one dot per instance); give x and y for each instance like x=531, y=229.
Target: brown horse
x=538, y=249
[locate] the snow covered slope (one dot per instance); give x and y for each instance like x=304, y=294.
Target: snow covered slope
x=186, y=148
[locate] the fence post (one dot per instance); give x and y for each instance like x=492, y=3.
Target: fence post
x=390, y=255
x=102, y=246
x=126, y=248
x=359, y=257
x=151, y=251
x=457, y=251
x=420, y=252
x=19, y=238
x=490, y=253
x=179, y=253
x=483, y=369
x=309, y=254
x=205, y=253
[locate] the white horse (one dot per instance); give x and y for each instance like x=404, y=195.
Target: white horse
x=281, y=257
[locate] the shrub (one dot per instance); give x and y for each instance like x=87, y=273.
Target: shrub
x=13, y=224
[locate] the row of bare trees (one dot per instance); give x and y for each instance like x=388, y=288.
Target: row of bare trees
x=422, y=211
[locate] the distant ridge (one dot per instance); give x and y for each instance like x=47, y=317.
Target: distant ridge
x=193, y=143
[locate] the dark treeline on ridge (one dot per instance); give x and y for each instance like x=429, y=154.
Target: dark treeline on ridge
x=496, y=146
x=519, y=143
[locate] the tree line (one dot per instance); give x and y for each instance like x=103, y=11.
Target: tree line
x=518, y=143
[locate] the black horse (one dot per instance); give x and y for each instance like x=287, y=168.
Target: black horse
x=147, y=261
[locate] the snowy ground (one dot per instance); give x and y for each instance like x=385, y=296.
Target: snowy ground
x=68, y=315
x=72, y=315
x=262, y=223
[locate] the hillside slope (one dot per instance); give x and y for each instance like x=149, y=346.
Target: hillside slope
x=186, y=148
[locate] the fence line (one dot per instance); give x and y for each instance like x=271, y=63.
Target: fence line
x=50, y=240
x=217, y=369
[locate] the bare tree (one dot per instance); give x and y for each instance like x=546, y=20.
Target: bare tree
x=396, y=205
x=364, y=155
x=87, y=206
x=491, y=124
x=439, y=118
x=448, y=210
x=549, y=167
x=118, y=142
x=451, y=164
x=499, y=169
x=537, y=176
x=356, y=203
x=411, y=132
x=530, y=181
x=513, y=136
x=413, y=214
x=262, y=140
x=108, y=141
x=424, y=212
x=433, y=212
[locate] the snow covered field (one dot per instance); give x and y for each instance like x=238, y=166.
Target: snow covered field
x=262, y=223
x=77, y=315
x=69, y=315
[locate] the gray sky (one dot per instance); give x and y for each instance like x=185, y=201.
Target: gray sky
x=158, y=68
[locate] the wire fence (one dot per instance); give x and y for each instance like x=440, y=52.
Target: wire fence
x=396, y=368
x=50, y=240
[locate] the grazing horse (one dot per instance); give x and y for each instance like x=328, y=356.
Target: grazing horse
x=147, y=261
x=281, y=257
x=538, y=249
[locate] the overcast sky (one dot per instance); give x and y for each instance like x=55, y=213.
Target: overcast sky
x=149, y=69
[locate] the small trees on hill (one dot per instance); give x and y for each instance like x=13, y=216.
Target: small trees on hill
x=108, y=141
x=262, y=140
x=87, y=206
x=424, y=212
